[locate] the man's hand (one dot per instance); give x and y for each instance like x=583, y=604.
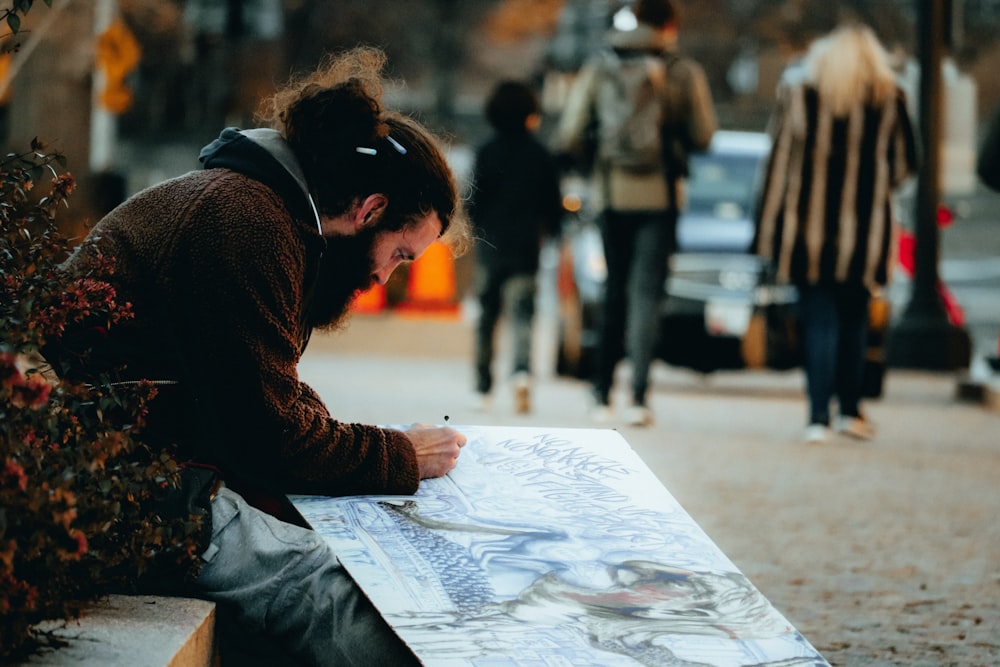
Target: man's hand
x=437, y=448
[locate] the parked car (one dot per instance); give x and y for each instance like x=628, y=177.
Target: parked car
x=709, y=293
x=715, y=284
x=714, y=280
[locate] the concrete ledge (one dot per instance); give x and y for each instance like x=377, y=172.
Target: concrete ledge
x=137, y=631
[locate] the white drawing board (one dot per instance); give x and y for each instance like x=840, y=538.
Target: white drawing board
x=552, y=547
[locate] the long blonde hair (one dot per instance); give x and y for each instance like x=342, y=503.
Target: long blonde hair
x=850, y=66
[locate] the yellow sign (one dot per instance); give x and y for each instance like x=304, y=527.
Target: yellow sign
x=117, y=54
x=5, y=59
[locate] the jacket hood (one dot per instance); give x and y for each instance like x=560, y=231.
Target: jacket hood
x=263, y=155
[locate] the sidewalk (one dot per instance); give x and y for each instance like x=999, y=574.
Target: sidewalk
x=880, y=553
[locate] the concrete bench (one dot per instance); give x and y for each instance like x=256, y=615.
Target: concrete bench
x=137, y=631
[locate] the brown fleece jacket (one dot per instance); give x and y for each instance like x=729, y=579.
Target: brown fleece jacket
x=217, y=270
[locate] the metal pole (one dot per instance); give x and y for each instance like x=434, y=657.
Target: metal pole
x=929, y=184
x=924, y=338
x=103, y=125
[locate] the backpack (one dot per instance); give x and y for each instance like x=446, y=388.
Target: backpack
x=630, y=109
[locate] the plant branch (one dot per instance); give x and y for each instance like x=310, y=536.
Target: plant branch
x=21, y=56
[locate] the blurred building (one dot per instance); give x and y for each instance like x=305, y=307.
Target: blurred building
x=206, y=63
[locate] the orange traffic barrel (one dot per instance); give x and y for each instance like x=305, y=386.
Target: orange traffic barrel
x=371, y=300
x=431, y=286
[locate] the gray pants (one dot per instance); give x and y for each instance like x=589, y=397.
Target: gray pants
x=273, y=579
x=637, y=246
x=501, y=291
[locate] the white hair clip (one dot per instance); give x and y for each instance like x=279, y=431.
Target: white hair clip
x=395, y=144
x=365, y=151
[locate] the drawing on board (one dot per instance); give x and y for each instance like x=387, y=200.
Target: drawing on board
x=552, y=547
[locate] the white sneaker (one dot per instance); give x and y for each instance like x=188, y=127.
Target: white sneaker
x=816, y=433
x=639, y=415
x=858, y=428
x=482, y=403
x=602, y=414
x=522, y=394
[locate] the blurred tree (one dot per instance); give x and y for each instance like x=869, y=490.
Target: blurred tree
x=427, y=42
x=51, y=89
x=517, y=20
x=208, y=62
x=159, y=27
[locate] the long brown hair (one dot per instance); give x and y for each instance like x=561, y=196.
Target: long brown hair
x=350, y=147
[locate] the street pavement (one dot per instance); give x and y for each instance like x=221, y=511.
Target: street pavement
x=881, y=553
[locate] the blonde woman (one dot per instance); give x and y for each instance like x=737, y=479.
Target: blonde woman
x=842, y=142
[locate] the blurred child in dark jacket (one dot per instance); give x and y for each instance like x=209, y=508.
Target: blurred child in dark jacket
x=515, y=203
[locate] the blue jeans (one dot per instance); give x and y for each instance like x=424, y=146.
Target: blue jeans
x=284, y=582
x=835, y=338
x=500, y=290
x=636, y=249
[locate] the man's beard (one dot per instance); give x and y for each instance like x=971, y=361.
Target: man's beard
x=345, y=270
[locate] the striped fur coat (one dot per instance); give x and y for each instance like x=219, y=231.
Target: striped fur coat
x=825, y=212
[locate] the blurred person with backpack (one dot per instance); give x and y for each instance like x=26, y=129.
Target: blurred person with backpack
x=636, y=111
x=514, y=204
x=842, y=142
